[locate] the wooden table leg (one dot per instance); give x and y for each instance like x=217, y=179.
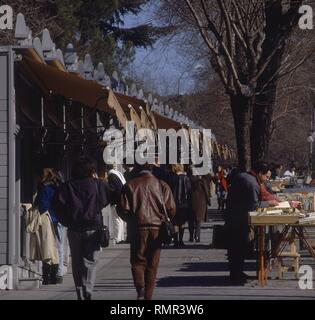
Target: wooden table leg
x=300, y=232
x=261, y=256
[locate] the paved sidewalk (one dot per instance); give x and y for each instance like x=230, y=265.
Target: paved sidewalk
x=195, y=272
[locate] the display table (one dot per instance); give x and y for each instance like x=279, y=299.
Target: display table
x=291, y=224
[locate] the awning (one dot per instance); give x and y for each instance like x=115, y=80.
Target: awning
x=56, y=64
x=125, y=100
x=89, y=93
x=58, y=82
x=166, y=123
x=145, y=121
x=134, y=116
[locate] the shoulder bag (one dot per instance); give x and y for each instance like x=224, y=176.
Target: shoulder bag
x=166, y=233
x=103, y=231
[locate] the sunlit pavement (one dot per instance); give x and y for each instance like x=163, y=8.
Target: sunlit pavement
x=195, y=272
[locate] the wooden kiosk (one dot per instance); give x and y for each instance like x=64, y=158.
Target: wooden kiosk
x=294, y=223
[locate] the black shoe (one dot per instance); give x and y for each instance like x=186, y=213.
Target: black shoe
x=191, y=239
x=140, y=292
x=247, y=277
x=197, y=239
x=59, y=279
x=46, y=269
x=239, y=278
x=53, y=273
x=238, y=282
x=79, y=293
x=86, y=295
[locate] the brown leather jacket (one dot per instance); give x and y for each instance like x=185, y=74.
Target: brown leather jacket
x=143, y=198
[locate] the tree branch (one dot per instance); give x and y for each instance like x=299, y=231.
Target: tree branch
x=301, y=62
x=230, y=64
x=239, y=17
x=209, y=44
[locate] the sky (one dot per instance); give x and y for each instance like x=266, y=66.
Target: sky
x=162, y=68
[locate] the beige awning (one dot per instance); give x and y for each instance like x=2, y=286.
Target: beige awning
x=135, y=117
x=58, y=82
x=166, y=123
x=89, y=93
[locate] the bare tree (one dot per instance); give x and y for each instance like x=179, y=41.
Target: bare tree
x=43, y=15
x=246, y=41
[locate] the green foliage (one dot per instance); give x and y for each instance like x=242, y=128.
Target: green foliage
x=97, y=27
x=93, y=26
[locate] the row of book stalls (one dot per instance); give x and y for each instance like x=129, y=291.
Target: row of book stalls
x=54, y=108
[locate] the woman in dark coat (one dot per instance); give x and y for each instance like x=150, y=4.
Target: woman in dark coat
x=200, y=199
x=180, y=185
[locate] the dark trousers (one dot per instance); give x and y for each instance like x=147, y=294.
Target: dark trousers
x=145, y=250
x=194, y=228
x=237, y=247
x=83, y=247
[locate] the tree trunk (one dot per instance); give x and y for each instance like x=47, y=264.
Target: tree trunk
x=264, y=107
x=261, y=124
x=277, y=31
x=241, y=109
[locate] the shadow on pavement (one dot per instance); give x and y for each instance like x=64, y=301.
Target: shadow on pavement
x=188, y=247
x=213, y=267
x=189, y=281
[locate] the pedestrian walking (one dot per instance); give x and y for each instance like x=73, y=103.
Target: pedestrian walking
x=142, y=203
x=116, y=181
x=81, y=200
x=181, y=189
x=200, y=199
x=221, y=187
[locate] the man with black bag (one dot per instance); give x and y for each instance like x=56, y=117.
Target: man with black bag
x=144, y=201
x=79, y=203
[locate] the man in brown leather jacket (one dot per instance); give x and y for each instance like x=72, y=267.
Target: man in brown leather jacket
x=142, y=201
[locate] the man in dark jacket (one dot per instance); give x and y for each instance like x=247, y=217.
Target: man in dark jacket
x=244, y=196
x=142, y=203
x=83, y=198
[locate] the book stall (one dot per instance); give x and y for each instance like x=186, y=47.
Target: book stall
x=287, y=184
x=293, y=216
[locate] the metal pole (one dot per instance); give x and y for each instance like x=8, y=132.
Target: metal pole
x=312, y=160
x=82, y=128
x=64, y=122
x=13, y=205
